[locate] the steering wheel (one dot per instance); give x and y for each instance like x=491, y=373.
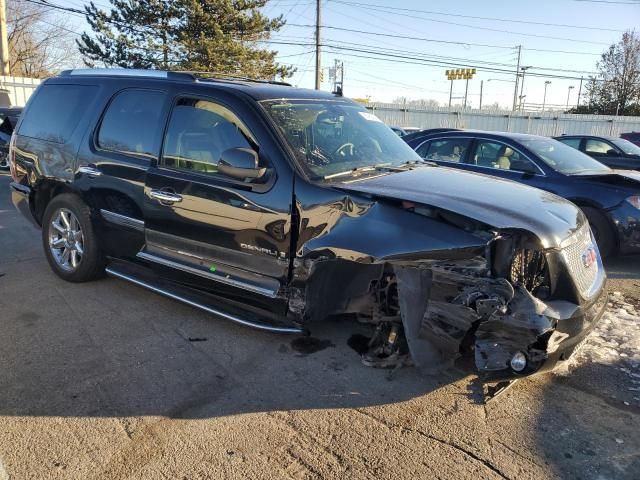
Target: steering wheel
x=341, y=149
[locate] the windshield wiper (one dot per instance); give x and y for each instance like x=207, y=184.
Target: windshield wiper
x=356, y=170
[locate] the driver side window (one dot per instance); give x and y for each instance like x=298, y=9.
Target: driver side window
x=599, y=148
x=199, y=131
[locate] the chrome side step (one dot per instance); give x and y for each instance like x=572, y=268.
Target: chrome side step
x=206, y=308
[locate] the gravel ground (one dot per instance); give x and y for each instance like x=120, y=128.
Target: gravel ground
x=106, y=380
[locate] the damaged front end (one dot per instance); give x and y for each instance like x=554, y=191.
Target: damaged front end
x=517, y=309
x=515, y=305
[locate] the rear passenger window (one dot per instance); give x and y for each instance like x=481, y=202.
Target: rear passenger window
x=450, y=150
x=56, y=110
x=199, y=131
x=133, y=123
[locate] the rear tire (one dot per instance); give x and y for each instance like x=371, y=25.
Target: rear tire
x=69, y=240
x=601, y=230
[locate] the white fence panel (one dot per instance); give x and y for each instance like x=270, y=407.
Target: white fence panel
x=537, y=123
x=16, y=90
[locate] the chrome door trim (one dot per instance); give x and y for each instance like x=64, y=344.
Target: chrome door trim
x=206, y=308
x=208, y=275
x=122, y=220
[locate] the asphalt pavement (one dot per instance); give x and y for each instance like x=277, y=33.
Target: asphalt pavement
x=107, y=380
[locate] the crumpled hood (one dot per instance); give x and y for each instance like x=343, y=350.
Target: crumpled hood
x=499, y=203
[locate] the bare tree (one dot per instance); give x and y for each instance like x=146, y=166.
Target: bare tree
x=40, y=40
x=616, y=90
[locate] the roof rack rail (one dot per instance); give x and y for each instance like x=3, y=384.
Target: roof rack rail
x=129, y=72
x=225, y=77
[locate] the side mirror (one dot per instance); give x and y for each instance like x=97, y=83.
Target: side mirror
x=240, y=163
x=611, y=153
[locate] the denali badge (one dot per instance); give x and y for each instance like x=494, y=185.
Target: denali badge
x=589, y=257
x=268, y=251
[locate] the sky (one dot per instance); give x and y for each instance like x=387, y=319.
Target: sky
x=558, y=38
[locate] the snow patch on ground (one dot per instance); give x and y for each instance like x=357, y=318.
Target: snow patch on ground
x=615, y=343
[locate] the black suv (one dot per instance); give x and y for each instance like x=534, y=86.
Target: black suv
x=275, y=207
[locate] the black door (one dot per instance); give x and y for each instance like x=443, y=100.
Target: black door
x=113, y=161
x=229, y=236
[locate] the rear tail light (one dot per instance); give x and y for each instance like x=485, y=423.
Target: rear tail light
x=12, y=156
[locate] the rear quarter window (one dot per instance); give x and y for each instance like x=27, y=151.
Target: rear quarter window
x=55, y=111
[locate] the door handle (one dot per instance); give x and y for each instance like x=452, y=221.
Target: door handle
x=165, y=197
x=89, y=170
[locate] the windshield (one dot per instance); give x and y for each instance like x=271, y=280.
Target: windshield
x=330, y=137
x=626, y=146
x=561, y=157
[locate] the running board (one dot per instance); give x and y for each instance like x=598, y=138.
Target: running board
x=165, y=292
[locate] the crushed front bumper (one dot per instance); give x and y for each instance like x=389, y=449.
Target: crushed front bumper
x=552, y=336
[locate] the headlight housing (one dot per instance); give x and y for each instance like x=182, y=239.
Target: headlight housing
x=634, y=200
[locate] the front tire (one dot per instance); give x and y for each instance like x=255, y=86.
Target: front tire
x=69, y=240
x=602, y=231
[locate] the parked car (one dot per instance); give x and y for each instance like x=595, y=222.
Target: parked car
x=427, y=131
x=276, y=207
x=609, y=198
x=612, y=151
x=8, y=120
x=398, y=131
x=633, y=137
x=411, y=129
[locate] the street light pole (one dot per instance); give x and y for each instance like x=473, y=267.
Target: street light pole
x=318, y=62
x=569, y=94
x=524, y=69
x=481, y=83
x=544, y=99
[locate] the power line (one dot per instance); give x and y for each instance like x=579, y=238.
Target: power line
x=424, y=39
x=496, y=19
x=391, y=12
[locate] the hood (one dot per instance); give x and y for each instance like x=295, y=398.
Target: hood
x=499, y=203
x=618, y=178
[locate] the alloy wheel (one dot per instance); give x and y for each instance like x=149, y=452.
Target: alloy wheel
x=66, y=240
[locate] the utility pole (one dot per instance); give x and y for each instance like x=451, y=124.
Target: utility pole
x=524, y=69
x=318, y=66
x=579, y=93
x=466, y=90
x=481, y=83
x=4, y=43
x=544, y=99
x=515, y=90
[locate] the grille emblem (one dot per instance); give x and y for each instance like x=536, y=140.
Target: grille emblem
x=589, y=257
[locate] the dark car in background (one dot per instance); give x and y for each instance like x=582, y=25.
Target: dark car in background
x=398, y=131
x=277, y=207
x=609, y=198
x=614, y=152
x=633, y=137
x=8, y=121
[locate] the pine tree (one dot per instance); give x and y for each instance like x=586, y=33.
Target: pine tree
x=133, y=34
x=223, y=37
